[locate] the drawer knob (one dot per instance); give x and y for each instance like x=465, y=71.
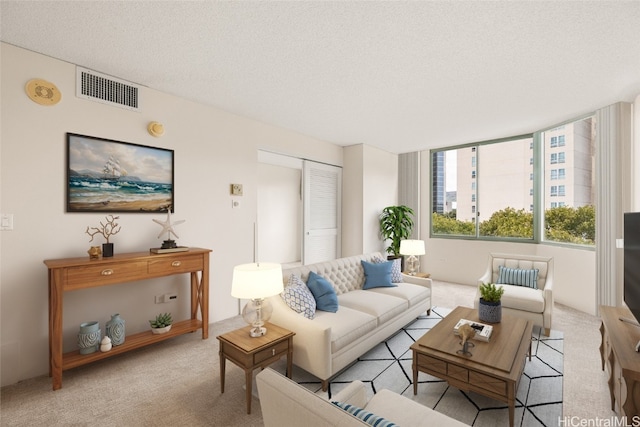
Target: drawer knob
x=273, y=351
x=176, y=264
x=107, y=272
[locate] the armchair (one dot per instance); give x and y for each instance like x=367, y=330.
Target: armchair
x=532, y=303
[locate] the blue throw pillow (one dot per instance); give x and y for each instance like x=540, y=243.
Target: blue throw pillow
x=323, y=292
x=518, y=277
x=366, y=416
x=377, y=275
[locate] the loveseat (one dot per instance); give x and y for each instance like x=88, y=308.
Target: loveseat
x=330, y=341
x=286, y=403
x=528, y=286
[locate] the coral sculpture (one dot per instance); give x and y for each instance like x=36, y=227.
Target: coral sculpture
x=107, y=229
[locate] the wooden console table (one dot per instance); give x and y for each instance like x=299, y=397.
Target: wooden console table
x=72, y=274
x=620, y=359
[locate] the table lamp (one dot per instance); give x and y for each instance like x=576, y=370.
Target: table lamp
x=256, y=282
x=412, y=248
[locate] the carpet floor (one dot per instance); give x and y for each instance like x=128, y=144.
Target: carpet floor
x=388, y=366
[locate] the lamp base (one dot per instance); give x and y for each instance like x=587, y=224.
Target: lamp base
x=258, y=331
x=413, y=264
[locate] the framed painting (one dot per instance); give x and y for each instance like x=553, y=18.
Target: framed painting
x=114, y=176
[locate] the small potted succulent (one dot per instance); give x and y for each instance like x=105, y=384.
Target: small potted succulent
x=161, y=324
x=490, y=307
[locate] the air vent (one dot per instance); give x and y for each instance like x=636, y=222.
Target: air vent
x=106, y=89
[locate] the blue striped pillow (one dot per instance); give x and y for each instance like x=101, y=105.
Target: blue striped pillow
x=518, y=276
x=366, y=416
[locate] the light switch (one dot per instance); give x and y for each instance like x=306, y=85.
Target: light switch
x=6, y=221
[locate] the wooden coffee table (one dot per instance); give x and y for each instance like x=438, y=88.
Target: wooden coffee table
x=495, y=367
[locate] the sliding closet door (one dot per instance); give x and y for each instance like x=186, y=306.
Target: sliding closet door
x=322, y=207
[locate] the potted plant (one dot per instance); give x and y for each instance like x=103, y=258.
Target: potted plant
x=490, y=307
x=161, y=324
x=107, y=229
x=396, y=224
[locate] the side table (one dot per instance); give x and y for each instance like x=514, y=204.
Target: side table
x=250, y=353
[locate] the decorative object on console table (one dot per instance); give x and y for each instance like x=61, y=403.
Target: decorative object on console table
x=105, y=344
x=169, y=245
x=89, y=337
x=490, y=307
x=413, y=248
x=94, y=252
x=467, y=333
x=114, y=329
x=396, y=224
x=107, y=229
x=162, y=323
x=256, y=282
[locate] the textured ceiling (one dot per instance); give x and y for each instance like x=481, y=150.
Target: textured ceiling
x=401, y=76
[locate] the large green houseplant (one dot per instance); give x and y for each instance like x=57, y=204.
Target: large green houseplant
x=396, y=224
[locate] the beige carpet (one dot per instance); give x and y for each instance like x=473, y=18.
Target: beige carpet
x=177, y=382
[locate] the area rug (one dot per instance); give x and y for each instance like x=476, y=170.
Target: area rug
x=388, y=366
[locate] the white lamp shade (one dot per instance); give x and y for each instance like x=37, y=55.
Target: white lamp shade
x=412, y=247
x=259, y=280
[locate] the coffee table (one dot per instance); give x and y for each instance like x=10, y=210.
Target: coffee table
x=494, y=369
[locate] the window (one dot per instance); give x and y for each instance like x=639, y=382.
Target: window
x=561, y=191
x=554, y=173
x=531, y=160
x=531, y=191
x=560, y=140
x=473, y=162
x=554, y=204
x=561, y=173
x=488, y=209
x=561, y=157
x=554, y=158
x=554, y=142
x=554, y=191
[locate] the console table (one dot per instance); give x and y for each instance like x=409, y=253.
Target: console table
x=620, y=359
x=72, y=274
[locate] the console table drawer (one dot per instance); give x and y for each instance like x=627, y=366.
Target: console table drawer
x=458, y=372
x=268, y=353
x=104, y=274
x=171, y=265
x=488, y=383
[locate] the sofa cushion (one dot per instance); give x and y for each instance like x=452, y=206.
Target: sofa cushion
x=414, y=294
x=523, y=298
x=382, y=307
x=299, y=298
x=518, y=276
x=377, y=275
x=396, y=269
x=406, y=412
x=347, y=325
x=366, y=416
x=322, y=290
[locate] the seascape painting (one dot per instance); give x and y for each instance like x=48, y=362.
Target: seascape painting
x=113, y=176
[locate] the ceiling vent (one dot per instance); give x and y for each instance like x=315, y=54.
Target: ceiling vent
x=106, y=89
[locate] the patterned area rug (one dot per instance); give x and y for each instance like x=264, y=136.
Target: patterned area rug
x=388, y=366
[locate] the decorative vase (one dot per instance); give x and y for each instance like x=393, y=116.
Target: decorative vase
x=164, y=330
x=114, y=329
x=94, y=252
x=107, y=250
x=490, y=312
x=89, y=337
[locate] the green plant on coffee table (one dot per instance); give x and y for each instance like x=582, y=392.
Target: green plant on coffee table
x=161, y=321
x=490, y=292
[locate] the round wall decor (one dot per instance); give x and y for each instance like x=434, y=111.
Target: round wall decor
x=43, y=92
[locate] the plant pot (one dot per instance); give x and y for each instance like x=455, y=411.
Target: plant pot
x=107, y=250
x=490, y=312
x=158, y=331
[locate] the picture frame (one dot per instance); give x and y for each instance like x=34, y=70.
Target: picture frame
x=104, y=175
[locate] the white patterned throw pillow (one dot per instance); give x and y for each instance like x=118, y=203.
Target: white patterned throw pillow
x=299, y=298
x=396, y=275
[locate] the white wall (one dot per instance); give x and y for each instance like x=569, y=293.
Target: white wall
x=212, y=150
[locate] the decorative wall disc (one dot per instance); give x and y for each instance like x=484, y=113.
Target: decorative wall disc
x=43, y=92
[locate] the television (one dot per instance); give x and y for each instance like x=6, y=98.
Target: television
x=632, y=263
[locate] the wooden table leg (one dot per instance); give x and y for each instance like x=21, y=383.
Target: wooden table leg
x=222, y=368
x=512, y=403
x=415, y=374
x=55, y=328
x=290, y=358
x=248, y=373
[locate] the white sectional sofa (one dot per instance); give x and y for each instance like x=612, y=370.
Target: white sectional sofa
x=329, y=342
x=286, y=403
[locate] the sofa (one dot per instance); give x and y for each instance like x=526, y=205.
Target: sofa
x=531, y=299
x=331, y=341
x=286, y=403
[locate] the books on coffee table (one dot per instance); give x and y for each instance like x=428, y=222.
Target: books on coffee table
x=483, y=331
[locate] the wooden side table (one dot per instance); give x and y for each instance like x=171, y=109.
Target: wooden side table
x=251, y=353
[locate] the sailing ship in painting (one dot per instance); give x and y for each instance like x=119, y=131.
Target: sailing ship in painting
x=112, y=170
